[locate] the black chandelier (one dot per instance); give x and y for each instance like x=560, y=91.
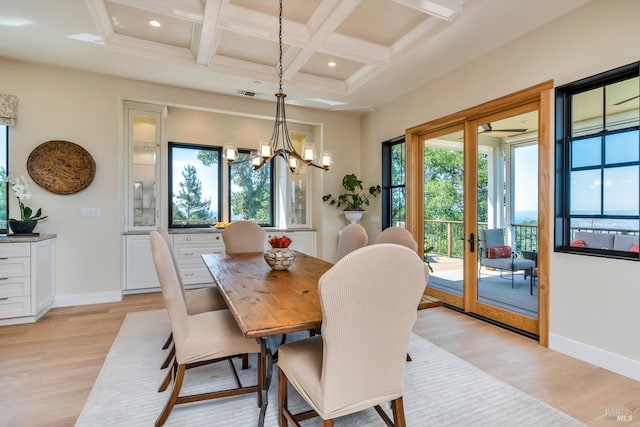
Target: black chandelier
x=279, y=145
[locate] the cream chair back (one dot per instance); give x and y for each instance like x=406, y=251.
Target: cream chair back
x=369, y=305
x=165, y=235
x=243, y=237
x=172, y=291
x=352, y=237
x=399, y=236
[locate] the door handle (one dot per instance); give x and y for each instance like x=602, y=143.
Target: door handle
x=472, y=242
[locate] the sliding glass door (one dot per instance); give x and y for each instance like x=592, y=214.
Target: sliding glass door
x=480, y=215
x=507, y=219
x=443, y=183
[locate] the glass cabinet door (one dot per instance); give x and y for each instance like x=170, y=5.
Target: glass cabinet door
x=298, y=183
x=144, y=135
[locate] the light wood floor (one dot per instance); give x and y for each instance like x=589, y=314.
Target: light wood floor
x=48, y=368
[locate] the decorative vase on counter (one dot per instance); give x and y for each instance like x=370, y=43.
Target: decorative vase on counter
x=353, y=216
x=279, y=258
x=22, y=227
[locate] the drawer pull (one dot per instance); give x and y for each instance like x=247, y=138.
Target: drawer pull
x=4, y=257
x=4, y=299
x=188, y=238
x=4, y=278
x=188, y=274
x=217, y=237
x=188, y=253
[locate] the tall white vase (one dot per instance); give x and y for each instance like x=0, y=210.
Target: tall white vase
x=353, y=216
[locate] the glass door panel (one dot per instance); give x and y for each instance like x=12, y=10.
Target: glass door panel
x=443, y=213
x=507, y=219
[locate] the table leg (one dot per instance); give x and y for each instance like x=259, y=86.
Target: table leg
x=265, y=368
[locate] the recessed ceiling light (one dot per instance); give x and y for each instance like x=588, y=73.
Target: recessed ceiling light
x=331, y=63
x=12, y=21
x=154, y=23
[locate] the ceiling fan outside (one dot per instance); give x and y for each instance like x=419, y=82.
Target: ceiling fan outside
x=486, y=128
x=627, y=100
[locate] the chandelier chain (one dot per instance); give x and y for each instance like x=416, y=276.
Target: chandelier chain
x=280, y=45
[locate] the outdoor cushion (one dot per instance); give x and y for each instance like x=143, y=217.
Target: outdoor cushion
x=622, y=242
x=578, y=244
x=499, y=252
x=634, y=249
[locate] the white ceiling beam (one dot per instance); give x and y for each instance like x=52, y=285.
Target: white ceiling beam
x=209, y=35
x=191, y=10
x=324, y=21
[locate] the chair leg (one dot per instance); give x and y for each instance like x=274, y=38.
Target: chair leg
x=245, y=361
x=398, y=412
x=169, y=357
x=169, y=341
x=327, y=423
x=282, y=398
x=167, y=378
x=177, y=385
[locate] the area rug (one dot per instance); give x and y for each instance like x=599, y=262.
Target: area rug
x=440, y=390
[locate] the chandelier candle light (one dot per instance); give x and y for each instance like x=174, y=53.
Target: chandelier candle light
x=279, y=145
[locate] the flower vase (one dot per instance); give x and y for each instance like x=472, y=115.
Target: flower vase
x=22, y=227
x=279, y=258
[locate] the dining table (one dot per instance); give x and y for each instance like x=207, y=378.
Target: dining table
x=266, y=302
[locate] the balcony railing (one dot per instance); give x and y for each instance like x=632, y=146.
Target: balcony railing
x=445, y=237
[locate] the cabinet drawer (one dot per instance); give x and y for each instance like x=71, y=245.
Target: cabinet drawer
x=15, y=287
x=198, y=239
x=15, y=307
x=196, y=275
x=15, y=267
x=189, y=255
x=8, y=250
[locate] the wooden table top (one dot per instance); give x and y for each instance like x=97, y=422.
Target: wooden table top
x=267, y=302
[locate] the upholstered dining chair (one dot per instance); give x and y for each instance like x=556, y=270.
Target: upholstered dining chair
x=397, y=235
x=352, y=237
x=243, y=237
x=201, y=338
x=197, y=301
x=358, y=362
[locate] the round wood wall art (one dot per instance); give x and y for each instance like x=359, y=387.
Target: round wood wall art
x=61, y=167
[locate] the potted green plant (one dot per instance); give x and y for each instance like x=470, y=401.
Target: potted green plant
x=354, y=197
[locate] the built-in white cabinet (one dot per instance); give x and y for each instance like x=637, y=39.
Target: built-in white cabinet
x=144, y=133
x=27, y=278
x=189, y=248
x=140, y=271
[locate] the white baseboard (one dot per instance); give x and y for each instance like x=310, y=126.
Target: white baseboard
x=596, y=356
x=87, y=298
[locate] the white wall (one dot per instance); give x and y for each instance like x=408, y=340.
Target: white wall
x=63, y=104
x=594, y=311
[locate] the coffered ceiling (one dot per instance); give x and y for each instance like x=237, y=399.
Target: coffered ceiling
x=381, y=48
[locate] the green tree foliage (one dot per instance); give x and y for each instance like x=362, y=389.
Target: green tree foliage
x=398, y=177
x=189, y=203
x=251, y=192
x=443, y=185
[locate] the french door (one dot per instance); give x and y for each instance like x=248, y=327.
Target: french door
x=482, y=174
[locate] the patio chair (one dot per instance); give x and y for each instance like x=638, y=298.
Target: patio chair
x=494, y=253
x=532, y=272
